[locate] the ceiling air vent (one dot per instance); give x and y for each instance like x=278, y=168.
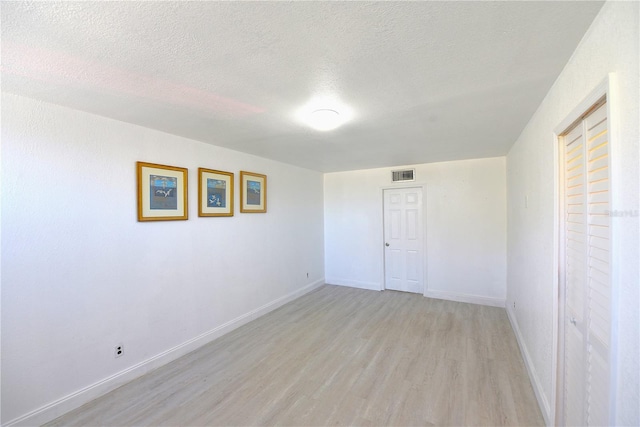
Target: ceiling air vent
x=404, y=175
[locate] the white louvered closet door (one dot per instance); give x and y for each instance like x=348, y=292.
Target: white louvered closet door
x=587, y=271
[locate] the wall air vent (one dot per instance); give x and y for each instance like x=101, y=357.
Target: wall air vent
x=404, y=175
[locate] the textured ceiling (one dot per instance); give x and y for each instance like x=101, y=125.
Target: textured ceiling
x=425, y=81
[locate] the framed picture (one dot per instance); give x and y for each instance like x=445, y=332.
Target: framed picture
x=215, y=193
x=162, y=192
x=253, y=192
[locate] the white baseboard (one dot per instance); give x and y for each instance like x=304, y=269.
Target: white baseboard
x=472, y=299
x=543, y=403
x=74, y=400
x=373, y=286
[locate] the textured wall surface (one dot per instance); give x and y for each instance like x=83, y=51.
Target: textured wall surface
x=465, y=220
x=610, y=46
x=80, y=274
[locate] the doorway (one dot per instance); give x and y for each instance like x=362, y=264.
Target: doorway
x=404, y=240
x=585, y=313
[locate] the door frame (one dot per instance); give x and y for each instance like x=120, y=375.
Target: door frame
x=401, y=186
x=607, y=88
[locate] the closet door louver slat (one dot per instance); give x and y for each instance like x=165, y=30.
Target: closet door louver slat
x=575, y=268
x=599, y=283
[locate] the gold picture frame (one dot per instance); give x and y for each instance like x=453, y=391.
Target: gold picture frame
x=253, y=192
x=162, y=192
x=215, y=193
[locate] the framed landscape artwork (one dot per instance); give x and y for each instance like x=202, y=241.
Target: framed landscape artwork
x=162, y=192
x=253, y=192
x=215, y=193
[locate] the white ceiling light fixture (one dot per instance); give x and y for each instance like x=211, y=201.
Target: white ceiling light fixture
x=324, y=113
x=325, y=119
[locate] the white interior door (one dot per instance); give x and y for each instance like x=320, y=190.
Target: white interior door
x=586, y=262
x=403, y=233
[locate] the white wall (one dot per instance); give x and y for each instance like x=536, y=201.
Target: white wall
x=465, y=228
x=610, y=45
x=81, y=275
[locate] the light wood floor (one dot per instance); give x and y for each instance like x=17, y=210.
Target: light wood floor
x=339, y=356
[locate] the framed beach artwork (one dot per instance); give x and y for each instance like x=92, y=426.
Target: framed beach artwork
x=253, y=192
x=162, y=192
x=215, y=193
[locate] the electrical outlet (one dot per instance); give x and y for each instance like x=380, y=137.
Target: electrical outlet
x=119, y=350
x=514, y=304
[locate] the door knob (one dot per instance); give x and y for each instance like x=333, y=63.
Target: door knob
x=386, y=244
x=573, y=320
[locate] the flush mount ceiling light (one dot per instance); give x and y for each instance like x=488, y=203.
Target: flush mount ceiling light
x=324, y=113
x=324, y=119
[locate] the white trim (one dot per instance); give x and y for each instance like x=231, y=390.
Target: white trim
x=589, y=101
x=558, y=235
x=534, y=378
x=74, y=400
x=472, y=299
x=373, y=286
x=557, y=327
x=616, y=233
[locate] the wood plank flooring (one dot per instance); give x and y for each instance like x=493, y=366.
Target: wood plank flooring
x=338, y=356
